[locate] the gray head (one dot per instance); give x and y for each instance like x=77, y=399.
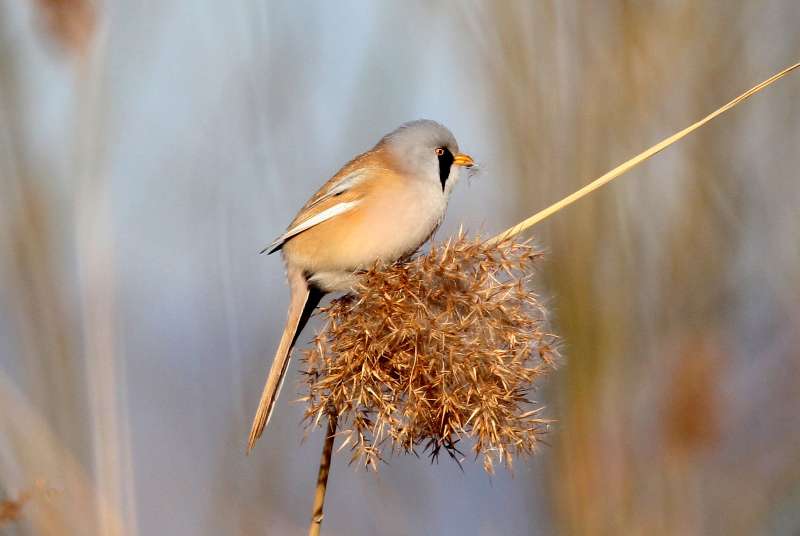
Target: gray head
x=428, y=150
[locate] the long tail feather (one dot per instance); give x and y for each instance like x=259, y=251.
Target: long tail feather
x=303, y=301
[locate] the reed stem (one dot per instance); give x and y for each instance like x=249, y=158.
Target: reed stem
x=322, y=477
x=633, y=162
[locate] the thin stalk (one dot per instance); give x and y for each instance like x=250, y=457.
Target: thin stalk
x=633, y=162
x=322, y=478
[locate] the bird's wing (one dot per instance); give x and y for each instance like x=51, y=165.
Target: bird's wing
x=336, y=197
x=316, y=219
x=338, y=185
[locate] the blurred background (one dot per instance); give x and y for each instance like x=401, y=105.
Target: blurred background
x=149, y=150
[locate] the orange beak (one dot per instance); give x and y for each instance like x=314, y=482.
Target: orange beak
x=464, y=160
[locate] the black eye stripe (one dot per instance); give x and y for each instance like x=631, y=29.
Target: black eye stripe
x=445, y=163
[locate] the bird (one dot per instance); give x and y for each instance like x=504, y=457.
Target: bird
x=381, y=206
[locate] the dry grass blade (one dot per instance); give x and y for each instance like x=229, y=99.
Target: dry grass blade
x=635, y=161
x=434, y=350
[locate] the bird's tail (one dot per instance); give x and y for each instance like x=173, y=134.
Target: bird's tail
x=303, y=301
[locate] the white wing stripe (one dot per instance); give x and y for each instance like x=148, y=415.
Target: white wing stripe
x=325, y=215
x=344, y=184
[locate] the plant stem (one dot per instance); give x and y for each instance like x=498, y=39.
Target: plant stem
x=633, y=162
x=322, y=477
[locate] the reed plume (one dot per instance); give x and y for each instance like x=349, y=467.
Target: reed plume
x=433, y=350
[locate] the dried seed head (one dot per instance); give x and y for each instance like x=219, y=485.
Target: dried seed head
x=438, y=348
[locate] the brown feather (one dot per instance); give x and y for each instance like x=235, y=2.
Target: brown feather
x=303, y=301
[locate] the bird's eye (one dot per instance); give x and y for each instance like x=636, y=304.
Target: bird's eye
x=439, y=151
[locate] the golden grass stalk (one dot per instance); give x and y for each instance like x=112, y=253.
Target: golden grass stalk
x=635, y=161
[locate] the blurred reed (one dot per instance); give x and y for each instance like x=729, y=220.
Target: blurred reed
x=71, y=363
x=71, y=24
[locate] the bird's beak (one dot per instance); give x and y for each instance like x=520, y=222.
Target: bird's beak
x=464, y=160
